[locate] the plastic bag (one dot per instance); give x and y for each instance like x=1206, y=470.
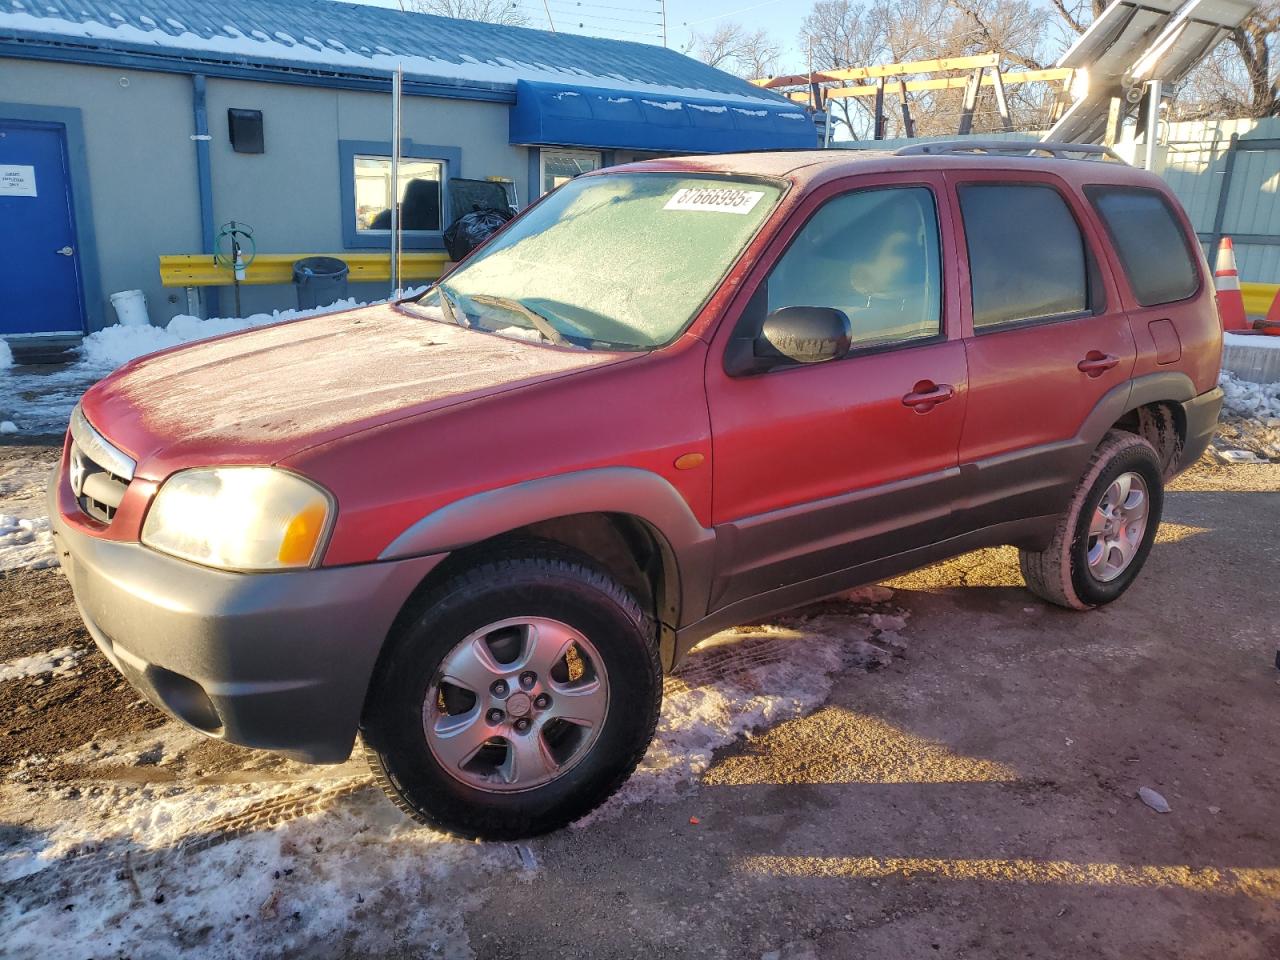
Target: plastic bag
x=472, y=229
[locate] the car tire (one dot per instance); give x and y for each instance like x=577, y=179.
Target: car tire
x=1063, y=573
x=536, y=593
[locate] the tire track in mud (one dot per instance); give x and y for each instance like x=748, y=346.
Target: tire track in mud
x=120, y=858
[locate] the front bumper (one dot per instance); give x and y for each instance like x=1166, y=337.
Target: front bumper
x=1202, y=420
x=277, y=661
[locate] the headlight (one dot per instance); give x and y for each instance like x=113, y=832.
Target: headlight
x=239, y=518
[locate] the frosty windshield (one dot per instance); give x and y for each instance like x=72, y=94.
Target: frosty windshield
x=621, y=261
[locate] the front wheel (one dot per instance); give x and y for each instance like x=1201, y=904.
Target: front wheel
x=519, y=697
x=1103, y=539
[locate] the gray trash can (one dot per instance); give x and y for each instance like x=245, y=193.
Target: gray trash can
x=320, y=281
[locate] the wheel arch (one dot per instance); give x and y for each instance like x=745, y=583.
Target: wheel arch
x=631, y=521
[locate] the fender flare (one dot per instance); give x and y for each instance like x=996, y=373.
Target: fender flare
x=622, y=490
x=1165, y=386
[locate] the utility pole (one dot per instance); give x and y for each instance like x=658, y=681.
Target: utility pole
x=396, y=83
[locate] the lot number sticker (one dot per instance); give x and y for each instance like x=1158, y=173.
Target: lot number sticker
x=17, y=180
x=714, y=199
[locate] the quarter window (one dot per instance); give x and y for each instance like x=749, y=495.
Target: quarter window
x=1026, y=254
x=1152, y=246
x=872, y=254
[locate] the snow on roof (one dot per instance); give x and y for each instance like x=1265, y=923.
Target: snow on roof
x=361, y=40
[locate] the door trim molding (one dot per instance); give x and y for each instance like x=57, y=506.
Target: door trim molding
x=70, y=119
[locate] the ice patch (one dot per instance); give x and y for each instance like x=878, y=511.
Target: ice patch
x=60, y=662
x=26, y=544
x=8, y=426
x=6, y=355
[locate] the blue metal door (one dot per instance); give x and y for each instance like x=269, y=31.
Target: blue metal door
x=39, y=263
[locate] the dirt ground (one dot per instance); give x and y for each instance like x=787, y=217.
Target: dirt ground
x=971, y=795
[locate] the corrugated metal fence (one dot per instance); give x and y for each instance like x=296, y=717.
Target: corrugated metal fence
x=1227, y=175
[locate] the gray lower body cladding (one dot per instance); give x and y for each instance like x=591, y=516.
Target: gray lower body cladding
x=277, y=661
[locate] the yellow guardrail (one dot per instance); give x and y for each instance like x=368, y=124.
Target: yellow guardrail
x=1258, y=297
x=199, y=270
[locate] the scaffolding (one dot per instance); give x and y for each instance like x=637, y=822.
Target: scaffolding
x=972, y=74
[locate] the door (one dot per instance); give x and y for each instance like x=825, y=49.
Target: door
x=40, y=282
x=824, y=467
x=1047, y=338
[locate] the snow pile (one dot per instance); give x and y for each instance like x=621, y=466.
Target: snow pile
x=25, y=544
x=8, y=426
x=60, y=662
x=6, y=355
x=1259, y=401
x=115, y=345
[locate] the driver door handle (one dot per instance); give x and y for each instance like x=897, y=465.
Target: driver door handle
x=926, y=395
x=64, y=251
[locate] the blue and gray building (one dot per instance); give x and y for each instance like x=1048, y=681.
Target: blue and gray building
x=134, y=129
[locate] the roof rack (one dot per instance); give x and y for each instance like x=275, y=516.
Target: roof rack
x=1025, y=148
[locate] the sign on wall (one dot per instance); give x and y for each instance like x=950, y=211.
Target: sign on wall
x=17, y=180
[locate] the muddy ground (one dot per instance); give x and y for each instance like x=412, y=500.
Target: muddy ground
x=972, y=795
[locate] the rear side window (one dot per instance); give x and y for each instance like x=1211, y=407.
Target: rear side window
x=1026, y=254
x=1152, y=247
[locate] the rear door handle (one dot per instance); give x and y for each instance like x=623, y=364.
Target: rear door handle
x=1096, y=363
x=926, y=395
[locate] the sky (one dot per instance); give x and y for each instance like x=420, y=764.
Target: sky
x=640, y=20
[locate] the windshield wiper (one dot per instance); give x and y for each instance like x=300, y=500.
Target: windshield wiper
x=540, y=323
x=451, y=309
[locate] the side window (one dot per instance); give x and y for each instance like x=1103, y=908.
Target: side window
x=1151, y=244
x=874, y=255
x=1026, y=254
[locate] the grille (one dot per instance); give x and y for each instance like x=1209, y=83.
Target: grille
x=99, y=473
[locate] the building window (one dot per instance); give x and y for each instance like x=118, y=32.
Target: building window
x=421, y=193
x=561, y=166
x=367, y=192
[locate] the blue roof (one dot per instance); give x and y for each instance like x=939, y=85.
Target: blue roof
x=333, y=39
x=562, y=115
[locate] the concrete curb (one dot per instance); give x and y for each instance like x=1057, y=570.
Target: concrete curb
x=1257, y=363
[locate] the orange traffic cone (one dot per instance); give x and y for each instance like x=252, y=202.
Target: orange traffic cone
x=1226, y=282
x=1271, y=325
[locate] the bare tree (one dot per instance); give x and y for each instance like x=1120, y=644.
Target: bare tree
x=734, y=49
x=506, y=12
x=839, y=33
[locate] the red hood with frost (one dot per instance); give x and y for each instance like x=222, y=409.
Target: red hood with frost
x=266, y=394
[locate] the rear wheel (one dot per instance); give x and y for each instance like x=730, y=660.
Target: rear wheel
x=1103, y=539
x=518, y=698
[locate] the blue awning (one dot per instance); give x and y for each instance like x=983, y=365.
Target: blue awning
x=554, y=114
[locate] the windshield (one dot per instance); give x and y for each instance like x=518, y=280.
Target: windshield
x=620, y=261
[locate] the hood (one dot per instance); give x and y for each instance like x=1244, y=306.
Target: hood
x=266, y=394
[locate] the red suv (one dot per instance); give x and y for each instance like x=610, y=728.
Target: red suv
x=478, y=526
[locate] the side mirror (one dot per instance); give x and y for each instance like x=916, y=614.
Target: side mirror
x=792, y=335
